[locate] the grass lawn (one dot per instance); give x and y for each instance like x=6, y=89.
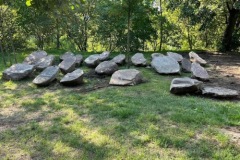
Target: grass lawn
x=137, y=122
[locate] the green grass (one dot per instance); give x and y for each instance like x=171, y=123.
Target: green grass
x=137, y=122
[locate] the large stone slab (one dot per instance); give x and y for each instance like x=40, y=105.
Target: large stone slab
x=185, y=85
x=92, y=60
x=165, y=65
x=199, y=72
x=155, y=55
x=194, y=57
x=104, y=56
x=45, y=62
x=186, y=65
x=34, y=57
x=79, y=59
x=139, y=60
x=120, y=59
x=68, y=65
x=73, y=78
x=18, y=72
x=126, y=77
x=106, y=67
x=46, y=76
x=66, y=55
x=219, y=92
x=176, y=56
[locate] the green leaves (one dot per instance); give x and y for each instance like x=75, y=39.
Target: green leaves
x=28, y=2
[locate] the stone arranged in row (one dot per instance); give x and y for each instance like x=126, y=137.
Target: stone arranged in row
x=73, y=78
x=155, y=55
x=106, y=68
x=79, y=57
x=199, y=72
x=46, y=76
x=120, y=59
x=95, y=59
x=219, y=92
x=45, y=62
x=139, y=60
x=68, y=65
x=176, y=56
x=165, y=65
x=35, y=57
x=194, y=57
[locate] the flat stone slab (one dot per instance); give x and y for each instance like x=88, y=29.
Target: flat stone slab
x=66, y=55
x=194, y=57
x=219, y=92
x=199, y=72
x=106, y=67
x=18, y=72
x=104, y=56
x=34, y=57
x=185, y=85
x=186, y=65
x=45, y=62
x=92, y=60
x=155, y=55
x=165, y=65
x=46, y=76
x=73, y=78
x=126, y=77
x=176, y=56
x=139, y=60
x=79, y=59
x=68, y=65
x=120, y=59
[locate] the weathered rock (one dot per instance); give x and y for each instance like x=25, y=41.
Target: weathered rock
x=34, y=57
x=154, y=55
x=185, y=85
x=120, y=59
x=165, y=65
x=68, y=65
x=18, y=72
x=106, y=67
x=47, y=76
x=194, y=57
x=79, y=59
x=175, y=56
x=186, y=65
x=92, y=61
x=74, y=78
x=126, y=77
x=45, y=62
x=219, y=92
x=104, y=56
x=199, y=72
x=67, y=55
x=139, y=60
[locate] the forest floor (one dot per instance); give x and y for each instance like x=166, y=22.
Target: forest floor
x=98, y=121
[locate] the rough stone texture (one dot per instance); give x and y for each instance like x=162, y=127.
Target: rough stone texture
x=45, y=62
x=126, y=77
x=139, y=60
x=79, y=59
x=67, y=55
x=68, y=65
x=194, y=57
x=186, y=65
x=34, y=57
x=165, y=65
x=219, y=92
x=73, y=78
x=120, y=59
x=175, y=56
x=92, y=61
x=155, y=55
x=185, y=85
x=199, y=72
x=104, y=56
x=47, y=76
x=18, y=72
x=106, y=67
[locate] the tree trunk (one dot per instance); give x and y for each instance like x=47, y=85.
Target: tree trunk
x=161, y=26
x=3, y=55
x=128, y=36
x=58, y=36
x=189, y=38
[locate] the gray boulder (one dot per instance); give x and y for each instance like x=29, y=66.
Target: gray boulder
x=67, y=55
x=45, y=62
x=219, y=92
x=186, y=65
x=120, y=59
x=175, y=56
x=104, y=56
x=199, y=72
x=34, y=57
x=73, y=78
x=79, y=59
x=68, y=65
x=47, y=76
x=154, y=55
x=139, y=60
x=126, y=77
x=165, y=65
x=194, y=57
x=185, y=85
x=18, y=72
x=92, y=61
x=106, y=67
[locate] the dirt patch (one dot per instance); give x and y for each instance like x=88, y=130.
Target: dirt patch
x=233, y=133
